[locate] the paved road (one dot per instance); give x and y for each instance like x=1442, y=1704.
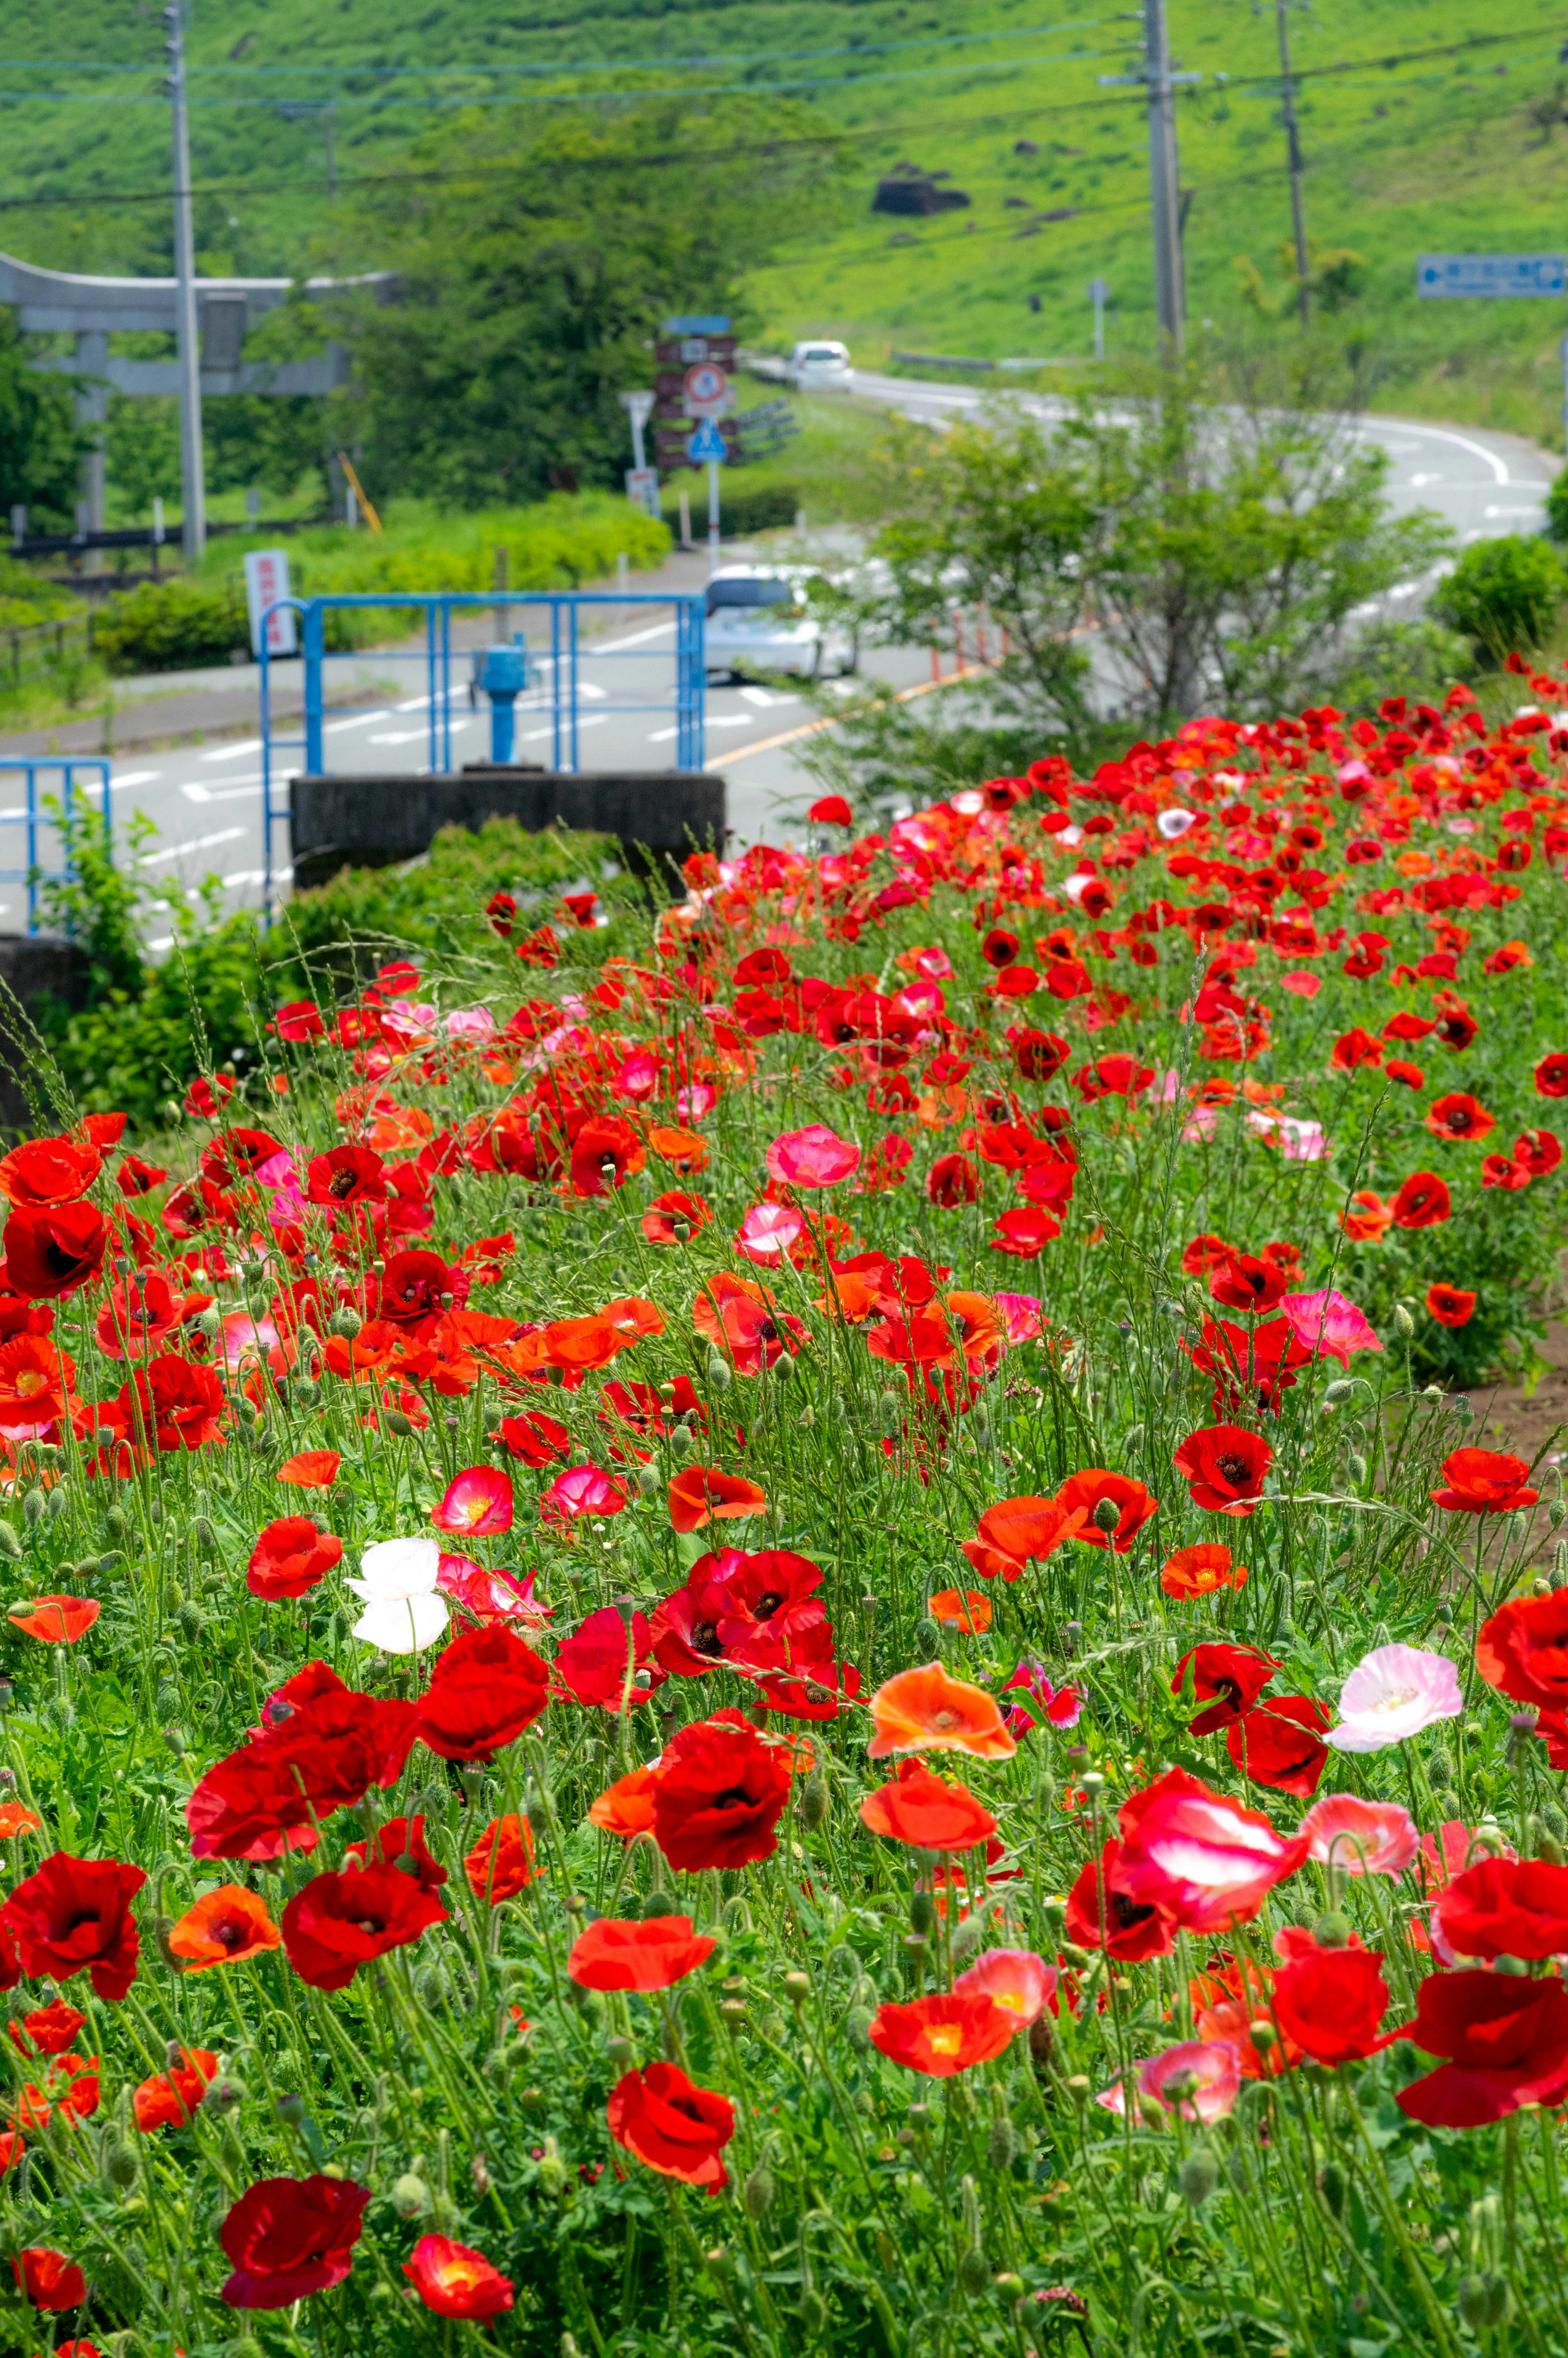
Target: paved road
x=205, y=799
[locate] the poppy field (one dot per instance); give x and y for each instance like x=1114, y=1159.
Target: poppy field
x=778, y=1622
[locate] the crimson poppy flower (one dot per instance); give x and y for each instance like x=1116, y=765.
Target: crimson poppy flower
x=830, y=810
x=719, y=1794
x=58, y=1620
x=1225, y=1466
x=291, y=1557
x=1278, y=1743
x=454, y=2280
x=487, y=1686
x=1522, y=1649
x=659, y=1220
x=1130, y=1930
x=415, y=1288
x=345, y=1175
x=1501, y=1171
x=477, y=1504
x=336, y=1923
x=1330, y=2003
x=47, y=2278
x=1456, y=1027
x=400, y=1843
x=1506, y=2041
x=74, y=1916
x=224, y=1927
x=1540, y=1151
x=1202, y=1253
x=1024, y=1233
x=927, y=1812
x=1459, y=1116
x=581, y=1490
x=1484, y=1482
x=952, y=1180
x=1506, y=1907
x=48, y=2029
x=1091, y=1488
x=1409, y=1076
x=601, y=1662
x=49, y=1171
x=1451, y=1306
x=1039, y=1055
x=1354, y=1048
x=1244, y=1282
x=171, y=2099
x=605, y=1153
x=289, y=2237
x=673, y=2126
x=653, y=1955
x=322, y=1750
x=501, y=1863
x=943, y=2034
x=170, y=1404
x=1551, y=1075
x=1423, y=1202
x=1227, y=1679
x=54, y=1250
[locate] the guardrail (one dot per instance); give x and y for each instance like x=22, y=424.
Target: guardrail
x=39, y=823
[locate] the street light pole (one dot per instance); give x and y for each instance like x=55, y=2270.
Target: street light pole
x=1164, y=172
x=192, y=478
x=1294, y=145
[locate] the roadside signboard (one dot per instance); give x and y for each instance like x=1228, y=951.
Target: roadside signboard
x=706, y=448
x=267, y=579
x=705, y=389
x=1493, y=274
x=642, y=488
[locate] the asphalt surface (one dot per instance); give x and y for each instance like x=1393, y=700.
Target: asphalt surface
x=204, y=798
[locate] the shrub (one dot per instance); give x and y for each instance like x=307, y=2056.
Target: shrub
x=171, y=626
x=1503, y=594
x=742, y=508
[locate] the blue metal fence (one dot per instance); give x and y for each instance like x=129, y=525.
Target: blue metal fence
x=554, y=667
x=35, y=822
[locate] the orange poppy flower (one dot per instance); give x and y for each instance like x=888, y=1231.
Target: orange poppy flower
x=625, y=1808
x=681, y=1149
x=943, y=2035
x=224, y=1927
x=1015, y=1529
x=967, y=1611
x=1198, y=1571
x=1366, y=1218
x=923, y=1710
x=632, y=1315
x=312, y=1470
x=58, y=1620
x=16, y=1818
x=703, y=1495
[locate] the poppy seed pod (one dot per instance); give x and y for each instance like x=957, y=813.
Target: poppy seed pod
x=1107, y=1515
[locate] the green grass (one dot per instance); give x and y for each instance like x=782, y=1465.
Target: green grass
x=827, y=459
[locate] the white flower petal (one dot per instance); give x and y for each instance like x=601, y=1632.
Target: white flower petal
x=402, y=1625
x=399, y=1568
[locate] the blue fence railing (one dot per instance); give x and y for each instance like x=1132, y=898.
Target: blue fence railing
x=551, y=685
x=41, y=834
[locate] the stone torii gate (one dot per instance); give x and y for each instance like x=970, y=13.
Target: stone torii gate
x=62, y=302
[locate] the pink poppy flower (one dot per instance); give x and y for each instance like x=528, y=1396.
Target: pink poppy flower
x=1393, y=1692
x=638, y=1078
x=1014, y=1978
x=1361, y=1837
x=1200, y=2080
x=478, y=1503
x=1198, y=1856
x=581, y=1490
x=246, y=1339
x=768, y=1231
x=469, y=1024
x=492, y=1596
x=1298, y=1141
x=1300, y=984
x=815, y=1157
x=1020, y=1315
x=695, y=1102
x=1063, y=1707
x=1328, y=1325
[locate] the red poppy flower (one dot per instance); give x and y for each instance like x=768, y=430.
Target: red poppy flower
x=1506, y=1907
x=1016, y=1532
x=1354, y=1048
x=1130, y=1930
x=653, y=1955
x=501, y=1863
x=47, y=2278
x=676, y=2128
x=454, y=2280
x=1243, y=1283
x=1227, y=1679
x=1039, y=1055
x=830, y=810
x=477, y=1504
x=944, y=2035
x=289, y=2237
x=52, y=1253
x=1540, y=1151
x=1279, y=1743
x=323, y=1749
x=1204, y=1253
x=927, y=1812
x=336, y=1923
x=1456, y=1027
x=1484, y=1482
x=416, y=1288
x=702, y=1494
x=170, y=1404
x=625, y=1808
x=1507, y=2044
x=291, y=1557
x=1225, y=1466
x=719, y=1795
x=487, y=1686
x=74, y=1915
x=1091, y=1488
x=659, y=1220
x=1198, y=1571
x=310, y=1469
x=952, y=1180
x=49, y=1171
x=605, y=1153
x=1423, y=1202
x=58, y=1620
x=1330, y=2003
x=1451, y=1306
x=1522, y=1649
x=1409, y=1076
x=1199, y=1856
x=48, y=2029
x=1024, y=1233
x=1458, y=1115
x=171, y=2099
x=400, y=1843
x=1551, y=1075
x=604, y=1664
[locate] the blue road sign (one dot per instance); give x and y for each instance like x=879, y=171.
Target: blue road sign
x=1490, y=273
x=706, y=448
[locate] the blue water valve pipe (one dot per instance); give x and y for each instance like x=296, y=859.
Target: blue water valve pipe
x=501, y=672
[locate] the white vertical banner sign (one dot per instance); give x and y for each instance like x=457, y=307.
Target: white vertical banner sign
x=267, y=579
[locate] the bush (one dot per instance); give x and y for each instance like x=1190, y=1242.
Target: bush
x=742, y=508
x=171, y=626
x=1503, y=594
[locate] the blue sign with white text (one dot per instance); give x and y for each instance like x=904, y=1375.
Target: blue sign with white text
x=706, y=446
x=1490, y=273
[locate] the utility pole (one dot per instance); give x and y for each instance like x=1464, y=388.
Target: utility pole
x=192, y=480
x=1165, y=175
x=1292, y=141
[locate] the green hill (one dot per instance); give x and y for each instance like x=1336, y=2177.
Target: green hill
x=1426, y=125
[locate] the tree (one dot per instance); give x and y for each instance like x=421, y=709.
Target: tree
x=41, y=446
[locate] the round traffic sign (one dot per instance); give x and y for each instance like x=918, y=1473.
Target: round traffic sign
x=707, y=386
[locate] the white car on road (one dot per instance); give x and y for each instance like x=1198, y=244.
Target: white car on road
x=819, y=367
x=757, y=618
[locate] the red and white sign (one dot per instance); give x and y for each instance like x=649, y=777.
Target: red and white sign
x=266, y=580
x=707, y=389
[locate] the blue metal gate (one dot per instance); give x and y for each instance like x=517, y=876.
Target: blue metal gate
x=554, y=684
x=33, y=820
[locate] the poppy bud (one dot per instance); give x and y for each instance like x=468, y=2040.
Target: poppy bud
x=1002, y=2137
x=980, y=1421
x=889, y=1415
x=968, y=1937
x=922, y=1914
x=757, y=2191
x=1331, y=2180
x=290, y=2109
x=680, y=1441
x=647, y=1481
x=552, y=2170
x=973, y=2271
x=346, y=1325
x=119, y=2164
x=1332, y=1930
x=784, y=1368
x=807, y=1416
x=479, y=2170
x=1557, y=1513
x=927, y=1635
x=719, y=1374
x=1040, y=2040
x=224, y=2094
x=1107, y=1516
x=1404, y=1324
x=659, y=1903
x=1133, y=1442
x=1199, y=2176
x=1484, y=2300
x=116, y=1522
x=619, y=2050
x=410, y=2196
x=10, y=1545
x=1463, y=1412
x=32, y=1506
x=814, y=1802
x=1071, y=1638
x=1356, y=1469
x=395, y=1421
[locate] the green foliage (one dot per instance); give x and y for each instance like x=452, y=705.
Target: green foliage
x=1505, y=595
x=743, y=507
x=40, y=444
x=171, y=625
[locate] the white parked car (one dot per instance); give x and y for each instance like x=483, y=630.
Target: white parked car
x=757, y=619
x=819, y=367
